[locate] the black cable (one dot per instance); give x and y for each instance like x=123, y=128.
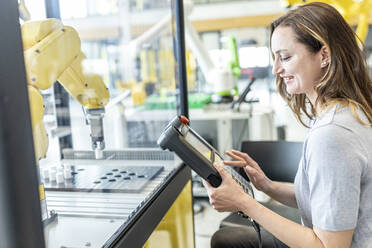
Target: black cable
x=256, y=227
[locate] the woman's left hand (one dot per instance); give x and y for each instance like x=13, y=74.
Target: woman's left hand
x=228, y=196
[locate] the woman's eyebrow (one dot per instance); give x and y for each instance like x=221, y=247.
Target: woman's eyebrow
x=280, y=50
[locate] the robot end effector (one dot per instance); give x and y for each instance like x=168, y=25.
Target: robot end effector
x=94, y=117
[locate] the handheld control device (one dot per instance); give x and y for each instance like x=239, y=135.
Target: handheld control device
x=180, y=138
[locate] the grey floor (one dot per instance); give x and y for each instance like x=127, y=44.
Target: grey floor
x=207, y=221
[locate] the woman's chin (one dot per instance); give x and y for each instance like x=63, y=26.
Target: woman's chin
x=291, y=90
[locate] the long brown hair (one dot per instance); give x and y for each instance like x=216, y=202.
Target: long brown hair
x=346, y=80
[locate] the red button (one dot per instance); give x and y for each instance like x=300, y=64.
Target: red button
x=183, y=120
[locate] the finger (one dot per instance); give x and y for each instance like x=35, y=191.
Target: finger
x=251, y=174
x=250, y=171
x=246, y=158
x=235, y=163
x=234, y=156
x=220, y=170
x=240, y=155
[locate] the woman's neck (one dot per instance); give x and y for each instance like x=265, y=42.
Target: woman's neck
x=312, y=96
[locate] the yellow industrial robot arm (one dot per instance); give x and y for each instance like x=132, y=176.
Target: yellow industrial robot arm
x=349, y=9
x=52, y=53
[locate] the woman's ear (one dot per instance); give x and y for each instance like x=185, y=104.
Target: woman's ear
x=324, y=56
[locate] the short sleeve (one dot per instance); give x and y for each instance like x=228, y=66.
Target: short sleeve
x=335, y=166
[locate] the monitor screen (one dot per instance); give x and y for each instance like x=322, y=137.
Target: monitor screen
x=198, y=145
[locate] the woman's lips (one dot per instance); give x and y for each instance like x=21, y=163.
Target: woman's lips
x=288, y=80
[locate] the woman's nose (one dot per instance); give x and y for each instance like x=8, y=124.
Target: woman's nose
x=277, y=68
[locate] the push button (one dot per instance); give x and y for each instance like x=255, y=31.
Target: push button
x=183, y=120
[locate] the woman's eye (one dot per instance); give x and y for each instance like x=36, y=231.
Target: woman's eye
x=285, y=58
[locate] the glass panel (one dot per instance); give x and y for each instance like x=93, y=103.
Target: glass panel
x=103, y=86
x=224, y=64
x=221, y=67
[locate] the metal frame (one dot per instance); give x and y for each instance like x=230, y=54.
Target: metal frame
x=20, y=213
x=178, y=16
x=147, y=219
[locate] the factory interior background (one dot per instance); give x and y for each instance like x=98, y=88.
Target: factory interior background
x=109, y=76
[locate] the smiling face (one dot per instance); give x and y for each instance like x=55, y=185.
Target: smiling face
x=298, y=68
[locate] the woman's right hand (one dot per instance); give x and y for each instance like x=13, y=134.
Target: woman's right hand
x=251, y=168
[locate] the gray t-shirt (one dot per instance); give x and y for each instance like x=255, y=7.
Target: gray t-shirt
x=333, y=185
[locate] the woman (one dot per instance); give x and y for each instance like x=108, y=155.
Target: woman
x=322, y=74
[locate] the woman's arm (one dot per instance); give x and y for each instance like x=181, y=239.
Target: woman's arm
x=283, y=193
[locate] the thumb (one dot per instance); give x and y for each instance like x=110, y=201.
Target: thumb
x=250, y=170
x=220, y=170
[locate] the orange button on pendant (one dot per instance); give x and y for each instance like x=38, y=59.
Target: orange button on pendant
x=183, y=120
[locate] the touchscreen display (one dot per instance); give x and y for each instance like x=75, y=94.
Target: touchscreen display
x=218, y=159
x=198, y=145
